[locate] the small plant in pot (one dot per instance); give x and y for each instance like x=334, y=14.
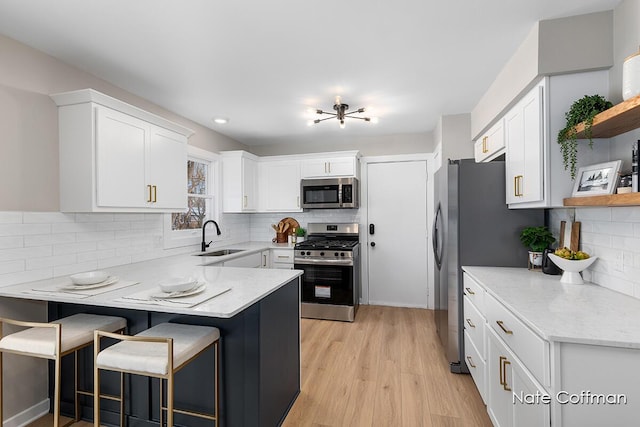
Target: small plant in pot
x=582, y=110
x=300, y=233
x=537, y=239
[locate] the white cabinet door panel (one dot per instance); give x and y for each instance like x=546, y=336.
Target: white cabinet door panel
x=120, y=157
x=280, y=185
x=166, y=175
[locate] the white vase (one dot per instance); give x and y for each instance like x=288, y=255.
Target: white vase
x=535, y=258
x=631, y=76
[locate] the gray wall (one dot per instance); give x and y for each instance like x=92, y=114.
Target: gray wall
x=29, y=123
x=367, y=145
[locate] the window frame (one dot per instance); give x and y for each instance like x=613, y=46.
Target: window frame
x=183, y=238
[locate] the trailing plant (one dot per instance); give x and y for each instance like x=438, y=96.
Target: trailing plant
x=537, y=238
x=583, y=110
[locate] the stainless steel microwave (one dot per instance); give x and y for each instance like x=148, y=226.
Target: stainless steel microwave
x=330, y=193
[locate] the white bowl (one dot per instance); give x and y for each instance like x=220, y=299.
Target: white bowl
x=178, y=284
x=89, y=278
x=572, y=268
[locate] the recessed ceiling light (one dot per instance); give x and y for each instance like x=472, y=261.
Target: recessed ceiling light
x=221, y=120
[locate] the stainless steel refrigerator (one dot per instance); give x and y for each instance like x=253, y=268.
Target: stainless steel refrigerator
x=473, y=227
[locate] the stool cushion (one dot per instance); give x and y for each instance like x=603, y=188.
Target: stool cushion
x=152, y=358
x=77, y=330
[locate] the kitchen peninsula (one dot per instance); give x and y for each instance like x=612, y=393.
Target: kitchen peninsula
x=258, y=318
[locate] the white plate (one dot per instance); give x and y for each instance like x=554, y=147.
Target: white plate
x=89, y=278
x=110, y=281
x=178, y=284
x=168, y=295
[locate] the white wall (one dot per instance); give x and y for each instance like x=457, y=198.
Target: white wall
x=367, y=145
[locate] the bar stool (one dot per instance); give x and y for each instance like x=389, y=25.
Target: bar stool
x=157, y=352
x=53, y=341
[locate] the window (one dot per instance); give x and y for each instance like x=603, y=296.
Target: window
x=183, y=228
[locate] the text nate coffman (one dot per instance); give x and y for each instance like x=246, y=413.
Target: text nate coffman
x=585, y=397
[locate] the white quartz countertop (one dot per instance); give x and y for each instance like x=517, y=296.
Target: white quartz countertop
x=585, y=314
x=248, y=285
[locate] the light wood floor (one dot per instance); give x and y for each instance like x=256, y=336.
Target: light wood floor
x=385, y=369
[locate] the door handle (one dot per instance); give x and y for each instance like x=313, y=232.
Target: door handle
x=372, y=229
x=155, y=194
x=149, y=199
x=373, y=244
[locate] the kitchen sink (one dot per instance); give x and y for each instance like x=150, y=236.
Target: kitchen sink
x=221, y=252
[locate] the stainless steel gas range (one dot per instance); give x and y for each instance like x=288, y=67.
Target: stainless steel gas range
x=330, y=258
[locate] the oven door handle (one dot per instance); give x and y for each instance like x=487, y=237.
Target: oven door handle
x=347, y=262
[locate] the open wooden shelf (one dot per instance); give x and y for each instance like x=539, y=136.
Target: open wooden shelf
x=619, y=119
x=628, y=199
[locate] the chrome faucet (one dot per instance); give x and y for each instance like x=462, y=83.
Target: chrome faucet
x=204, y=245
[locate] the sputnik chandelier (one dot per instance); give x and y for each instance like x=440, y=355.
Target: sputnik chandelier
x=341, y=114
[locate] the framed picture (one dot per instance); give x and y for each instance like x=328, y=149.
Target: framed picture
x=597, y=179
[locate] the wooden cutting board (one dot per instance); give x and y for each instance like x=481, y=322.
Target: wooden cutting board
x=293, y=225
x=570, y=237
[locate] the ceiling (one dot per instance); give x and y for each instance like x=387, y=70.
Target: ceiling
x=262, y=63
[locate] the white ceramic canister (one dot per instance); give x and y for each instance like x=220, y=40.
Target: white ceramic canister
x=631, y=76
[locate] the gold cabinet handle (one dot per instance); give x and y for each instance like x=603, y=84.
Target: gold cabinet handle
x=501, y=324
x=329, y=163
x=517, y=184
x=325, y=168
x=470, y=291
x=155, y=193
x=502, y=359
x=505, y=386
x=470, y=323
x=484, y=144
x=471, y=362
x=264, y=262
x=149, y=198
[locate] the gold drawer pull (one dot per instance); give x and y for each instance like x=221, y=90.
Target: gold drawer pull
x=504, y=366
x=501, y=324
x=470, y=291
x=502, y=381
x=471, y=362
x=155, y=193
x=471, y=323
x=517, y=182
x=484, y=145
x=150, y=198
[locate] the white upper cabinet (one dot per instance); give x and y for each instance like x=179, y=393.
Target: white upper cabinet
x=280, y=186
x=117, y=158
x=491, y=144
x=331, y=167
x=525, y=149
x=239, y=182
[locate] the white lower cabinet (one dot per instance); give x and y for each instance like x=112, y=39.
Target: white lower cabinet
x=254, y=260
x=509, y=383
x=282, y=259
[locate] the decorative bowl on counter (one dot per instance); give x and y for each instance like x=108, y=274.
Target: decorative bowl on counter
x=572, y=268
x=89, y=278
x=178, y=284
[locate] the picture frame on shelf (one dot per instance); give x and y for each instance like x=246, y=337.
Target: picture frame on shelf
x=598, y=179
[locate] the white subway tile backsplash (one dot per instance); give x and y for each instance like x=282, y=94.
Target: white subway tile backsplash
x=49, y=239
x=11, y=217
x=47, y=217
x=593, y=214
x=11, y=242
x=24, y=229
x=117, y=243
x=626, y=214
x=596, y=239
x=7, y=267
x=26, y=276
x=96, y=255
x=95, y=217
x=70, y=248
x=74, y=227
x=113, y=262
x=129, y=217
x=114, y=226
x=613, y=228
x=24, y=253
x=95, y=236
x=64, y=270
x=51, y=261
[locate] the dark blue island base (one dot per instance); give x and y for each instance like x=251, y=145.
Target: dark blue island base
x=260, y=367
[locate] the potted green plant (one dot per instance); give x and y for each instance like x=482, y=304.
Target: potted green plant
x=537, y=239
x=300, y=233
x=582, y=110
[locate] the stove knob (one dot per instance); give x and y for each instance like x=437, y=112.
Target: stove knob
x=321, y=253
x=302, y=253
x=342, y=254
x=335, y=254
x=308, y=253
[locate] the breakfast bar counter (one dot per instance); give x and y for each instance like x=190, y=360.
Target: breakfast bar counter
x=256, y=310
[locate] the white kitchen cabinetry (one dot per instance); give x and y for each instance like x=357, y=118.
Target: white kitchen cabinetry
x=331, y=167
x=254, y=260
x=491, y=144
x=535, y=176
x=279, y=186
x=525, y=143
x=117, y=158
x=282, y=258
x=239, y=182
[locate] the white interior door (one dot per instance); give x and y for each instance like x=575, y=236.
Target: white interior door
x=397, y=233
